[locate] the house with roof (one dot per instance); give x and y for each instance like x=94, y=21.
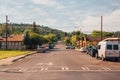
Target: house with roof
x=14, y=42
x=87, y=41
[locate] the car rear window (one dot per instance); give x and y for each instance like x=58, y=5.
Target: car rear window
x=109, y=47
x=115, y=47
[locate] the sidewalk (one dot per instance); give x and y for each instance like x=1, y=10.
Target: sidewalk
x=10, y=60
x=77, y=49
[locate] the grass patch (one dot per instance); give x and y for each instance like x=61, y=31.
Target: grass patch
x=12, y=53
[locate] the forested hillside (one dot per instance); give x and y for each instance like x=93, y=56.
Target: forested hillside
x=14, y=28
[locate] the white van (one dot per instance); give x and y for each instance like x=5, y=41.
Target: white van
x=109, y=49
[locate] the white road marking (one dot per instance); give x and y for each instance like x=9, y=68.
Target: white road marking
x=62, y=68
x=46, y=69
x=42, y=69
x=66, y=68
x=50, y=63
x=85, y=68
x=106, y=68
x=23, y=69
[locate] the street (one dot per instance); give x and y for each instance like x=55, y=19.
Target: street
x=61, y=64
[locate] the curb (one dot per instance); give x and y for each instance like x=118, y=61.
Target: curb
x=9, y=61
x=23, y=56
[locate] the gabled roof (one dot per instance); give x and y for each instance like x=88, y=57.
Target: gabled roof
x=14, y=38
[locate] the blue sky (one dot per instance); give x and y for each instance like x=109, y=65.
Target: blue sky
x=66, y=15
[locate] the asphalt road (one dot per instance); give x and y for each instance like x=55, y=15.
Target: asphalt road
x=61, y=64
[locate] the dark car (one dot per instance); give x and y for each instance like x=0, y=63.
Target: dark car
x=93, y=51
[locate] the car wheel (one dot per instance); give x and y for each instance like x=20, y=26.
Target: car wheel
x=96, y=56
x=116, y=60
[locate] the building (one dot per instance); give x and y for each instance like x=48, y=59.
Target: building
x=87, y=41
x=14, y=42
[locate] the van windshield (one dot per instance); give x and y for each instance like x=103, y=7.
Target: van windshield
x=115, y=47
x=109, y=47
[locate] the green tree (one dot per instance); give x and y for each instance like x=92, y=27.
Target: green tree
x=51, y=37
x=27, y=40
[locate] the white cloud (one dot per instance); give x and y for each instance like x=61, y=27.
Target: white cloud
x=51, y=22
x=45, y=2
x=51, y=3
x=111, y=22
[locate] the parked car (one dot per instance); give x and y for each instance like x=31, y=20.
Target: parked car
x=41, y=49
x=70, y=47
x=93, y=51
x=83, y=49
x=67, y=47
x=89, y=49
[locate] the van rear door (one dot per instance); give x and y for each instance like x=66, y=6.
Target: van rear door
x=116, y=50
x=112, y=50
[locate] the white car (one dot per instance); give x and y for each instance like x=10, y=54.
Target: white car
x=83, y=49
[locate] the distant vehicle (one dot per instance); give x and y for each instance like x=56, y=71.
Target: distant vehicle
x=83, y=49
x=67, y=47
x=109, y=49
x=70, y=47
x=41, y=49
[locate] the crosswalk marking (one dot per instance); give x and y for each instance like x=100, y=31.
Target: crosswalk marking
x=46, y=69
x=60, y=69
x=23, y=69
x=66, y=68
x=106, y=68
x=42, y=69
x=85, y=68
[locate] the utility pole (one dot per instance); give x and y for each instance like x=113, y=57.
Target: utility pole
x=101, y=27
x=34, y=26
x=6, y=25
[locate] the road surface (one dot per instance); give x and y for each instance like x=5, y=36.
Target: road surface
x=61, y=64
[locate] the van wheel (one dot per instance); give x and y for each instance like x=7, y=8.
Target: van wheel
x=116, y=60
x=96, y=56
x=103, y=58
